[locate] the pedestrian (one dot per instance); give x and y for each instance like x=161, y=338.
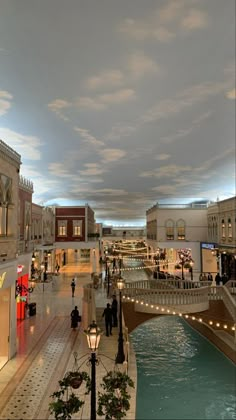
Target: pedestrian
x=107, y=313
x=224, y=278
x=200, y=277
x=114, y=307
x=217, y=279
x=74, y=318
x=73, y=287
x=209, y=277
x=204, y=278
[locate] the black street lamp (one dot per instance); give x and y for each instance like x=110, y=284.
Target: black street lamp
x=120, y=357
x=182, y=264
x=108, y=276
x=120, y=264
x=191, y=269
x=93, y=337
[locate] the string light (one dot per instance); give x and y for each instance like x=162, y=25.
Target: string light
x=210, y=322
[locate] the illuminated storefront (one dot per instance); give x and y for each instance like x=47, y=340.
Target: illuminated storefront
x=7, y=312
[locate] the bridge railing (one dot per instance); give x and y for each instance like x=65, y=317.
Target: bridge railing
x=168, y=296
x=231, y=286
x=223, y=293
x=167, y=284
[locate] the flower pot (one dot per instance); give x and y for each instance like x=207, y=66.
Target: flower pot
x=76, y=382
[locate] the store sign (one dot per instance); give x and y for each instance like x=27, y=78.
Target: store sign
x=2, y=278
x=208, y=246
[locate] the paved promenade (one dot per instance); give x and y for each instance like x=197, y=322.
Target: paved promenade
x=46, y=346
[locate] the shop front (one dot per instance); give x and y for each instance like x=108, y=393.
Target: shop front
x=22, y=287
x=7, y=312
x=210, y=260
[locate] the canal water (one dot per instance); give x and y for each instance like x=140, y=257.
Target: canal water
x=181, y=375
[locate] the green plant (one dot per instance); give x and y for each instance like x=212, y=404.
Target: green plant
x=114, y=401
x=177, y=266
x=187, y=265
x=66, y=404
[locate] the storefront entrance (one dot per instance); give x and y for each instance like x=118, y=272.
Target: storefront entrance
x=5, y=323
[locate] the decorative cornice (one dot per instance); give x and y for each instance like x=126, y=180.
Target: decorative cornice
x=9, y=154
x=26, y=184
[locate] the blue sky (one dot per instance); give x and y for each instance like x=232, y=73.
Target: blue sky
x=120, y=104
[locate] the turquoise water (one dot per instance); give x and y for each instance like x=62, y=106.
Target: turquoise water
x=180, y=374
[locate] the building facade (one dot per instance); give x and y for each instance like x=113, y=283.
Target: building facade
x=10, y=162
x=222, y=232
x=177, y=230
x=74, y=235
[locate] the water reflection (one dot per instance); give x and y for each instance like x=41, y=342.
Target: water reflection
x=182, y=375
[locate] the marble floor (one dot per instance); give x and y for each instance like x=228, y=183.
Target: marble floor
x=46, y=346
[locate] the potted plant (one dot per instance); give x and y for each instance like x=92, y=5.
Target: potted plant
x=114, y=401
x=66, y=403
x=75, y=378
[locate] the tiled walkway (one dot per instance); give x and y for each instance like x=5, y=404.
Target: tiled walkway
x=46, y=345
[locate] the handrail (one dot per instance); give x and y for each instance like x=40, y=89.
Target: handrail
x=168, y=296
x=168, y=284
x=165, y=293
x=223, y=293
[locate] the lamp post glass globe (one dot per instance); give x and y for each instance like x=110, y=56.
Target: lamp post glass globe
x=93, y=336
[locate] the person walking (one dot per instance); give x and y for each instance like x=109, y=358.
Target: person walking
x=114, y=307
x=217, y=279
x=209, y=277
x=107, y=313
x=74, y=318
x=73, y=287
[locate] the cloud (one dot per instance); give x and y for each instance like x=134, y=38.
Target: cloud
x=112, y=155
x=165, y=23
x=5, y=101
x=58, y=106
x=231, y=94
x=87, y=137
x=92, y=169
x=139, y=64
x=107, y=78
x=120, y=130
x=86, y=102
x=118, y=97
x=171, y=11
x=141, y=31
x=162, y=156
x=101, y=102
x=59, y=169
x=27, y=146
x=195, y=19
x=185, y=99
x=110, y=192
x=165, y=171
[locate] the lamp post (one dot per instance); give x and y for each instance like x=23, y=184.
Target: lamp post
x=120, y=262
x=182, y=264
x=191, y=269
x=120, y=355
x=93, y=337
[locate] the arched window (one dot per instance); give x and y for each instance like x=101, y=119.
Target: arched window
x=230, y=234
x=170, y=229
x=180, y=229
x=223, y=228
x=5, y=201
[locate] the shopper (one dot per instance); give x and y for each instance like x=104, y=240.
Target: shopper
x=107, y=313
x=73, y=287
x=74, y=318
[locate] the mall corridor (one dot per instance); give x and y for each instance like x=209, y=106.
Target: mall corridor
x=46, y=345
